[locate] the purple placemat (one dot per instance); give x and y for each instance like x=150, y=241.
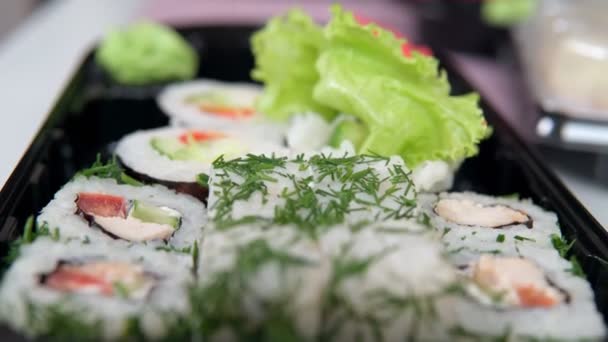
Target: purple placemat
x=394, y=14
x=502, y=87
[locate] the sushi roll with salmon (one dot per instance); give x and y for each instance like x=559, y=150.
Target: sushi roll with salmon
x=533, y=294
x=73, y=290
x=216, y=105
x=176, y=157
x=97, y=210
x=488, y=224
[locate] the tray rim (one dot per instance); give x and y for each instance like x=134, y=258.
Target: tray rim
x=577, y=214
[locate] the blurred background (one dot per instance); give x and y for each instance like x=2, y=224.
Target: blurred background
x=539, y=63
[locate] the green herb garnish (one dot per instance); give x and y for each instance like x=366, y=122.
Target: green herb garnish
x=110, y=169
x=446, y=230
x=576, y=268
x=561, y=245
x=31, y=231
x=523, y=238
x=121, y=290
x=500, y=238
x=308, y=200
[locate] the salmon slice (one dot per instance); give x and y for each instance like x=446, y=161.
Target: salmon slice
x=70, y=279
x=228, y=112
x=102, y=204
x=99, y=277
x=200, y=136
x=531, y=296
x=520, y=281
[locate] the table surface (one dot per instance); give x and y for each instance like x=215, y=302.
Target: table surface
x=37, y=59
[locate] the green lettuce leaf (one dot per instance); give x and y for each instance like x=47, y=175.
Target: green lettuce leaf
x=285, y=51
x=404, y=101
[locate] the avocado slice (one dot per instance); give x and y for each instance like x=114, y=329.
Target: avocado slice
x=208, y=97
x=349, y=129
x=153, y=214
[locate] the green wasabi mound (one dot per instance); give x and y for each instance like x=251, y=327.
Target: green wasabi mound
x=146, y=53
x=507, y=12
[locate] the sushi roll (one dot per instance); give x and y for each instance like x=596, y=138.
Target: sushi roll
x=387, y=284
x=251, y=277
x=94, y=291
x=488, y=224
x=215, y=105
x=311, y=191
x=175, y=157
x=532, y=294
x=349, y=283
x=96, y=209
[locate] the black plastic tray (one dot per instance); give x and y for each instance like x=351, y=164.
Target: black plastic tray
x=93, y=113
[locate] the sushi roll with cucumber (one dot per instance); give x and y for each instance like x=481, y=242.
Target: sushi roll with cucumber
x=216, y=105
x=488, y=224
x=96, y=209
x=73, y=290
x=176, y=157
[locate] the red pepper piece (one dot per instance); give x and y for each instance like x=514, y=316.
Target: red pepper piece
x=102, y=204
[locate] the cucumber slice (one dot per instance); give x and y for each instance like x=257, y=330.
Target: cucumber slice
x=349, y=129
x=153, y=214
x=174, y=149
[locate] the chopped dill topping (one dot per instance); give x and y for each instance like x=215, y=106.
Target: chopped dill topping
x=110, y=169
x=500, y=238
x=523, y=238
x=561, y=245
x=576, y=268
x=446, y=230
x=218, y=303
x=311, y=193
x=31, y=231
x=169, y=248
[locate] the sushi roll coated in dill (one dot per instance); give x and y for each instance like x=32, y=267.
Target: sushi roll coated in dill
x=177, y=157
x=216, y=105
x=94, y=291
x=252, y=279
x=310, y=191
x=347, y=282
x=102, y=210
x=486, y=224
